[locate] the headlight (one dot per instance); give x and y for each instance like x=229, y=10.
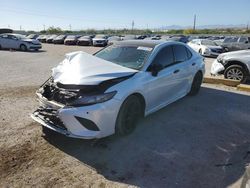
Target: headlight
x=93, y=99
x=207, y=49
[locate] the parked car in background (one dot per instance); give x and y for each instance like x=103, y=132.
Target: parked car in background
x=178, y=38
x=71, y=39
x=33, y=36
x=129, y=37
x=42, y=38
x=233, y=65
x=100, y=40
x=141, y=37
x=96, y=96
x=50, y=38
x=113, y=39
x=84, y=41
x=236, y=43
x=206, y=47
x=59, y=39
x=18, y=42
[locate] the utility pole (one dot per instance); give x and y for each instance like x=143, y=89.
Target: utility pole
x=194, y=27
x=70, y=27
x=133, y=24
x=44, y=27
x=247, y=26
x=20, y=28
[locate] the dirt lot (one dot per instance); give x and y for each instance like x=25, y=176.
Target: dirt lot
x=200, y=141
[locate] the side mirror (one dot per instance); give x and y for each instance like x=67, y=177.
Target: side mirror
x=246, y=42
x=155, y=68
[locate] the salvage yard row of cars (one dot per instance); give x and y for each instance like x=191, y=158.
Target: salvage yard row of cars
x=233, y=65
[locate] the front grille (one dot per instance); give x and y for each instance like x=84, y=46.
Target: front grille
x=50, y=116
x=62, y=96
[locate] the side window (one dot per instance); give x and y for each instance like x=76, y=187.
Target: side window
x=180, y=53
x=164, y=57
x=243, y=39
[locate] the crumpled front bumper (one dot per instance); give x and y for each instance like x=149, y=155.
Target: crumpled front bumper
x=76, y=122
x=216, y=68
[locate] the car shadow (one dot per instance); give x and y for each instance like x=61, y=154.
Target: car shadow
x=199, y=141
x=31, y=51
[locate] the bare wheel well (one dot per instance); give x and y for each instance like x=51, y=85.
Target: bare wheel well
x=237, y=63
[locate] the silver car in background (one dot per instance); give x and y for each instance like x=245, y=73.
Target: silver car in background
x=18, y=42
x=234, y=65
x=100, y=40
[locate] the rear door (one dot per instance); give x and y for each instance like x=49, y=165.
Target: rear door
x=171, y=82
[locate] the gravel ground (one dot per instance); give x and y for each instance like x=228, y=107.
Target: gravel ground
x=200, y=141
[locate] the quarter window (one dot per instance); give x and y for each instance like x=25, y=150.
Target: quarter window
x=180, y=53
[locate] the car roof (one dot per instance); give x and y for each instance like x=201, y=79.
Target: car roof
x=145, y=43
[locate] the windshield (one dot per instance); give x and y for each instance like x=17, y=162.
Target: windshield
x=20, y=36
x=208, y=43
x=132, y=57
x=71, y=37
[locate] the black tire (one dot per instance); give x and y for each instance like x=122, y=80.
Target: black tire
x=196, y=85
x=236, y=72
x=23, y=48
x=129, y=114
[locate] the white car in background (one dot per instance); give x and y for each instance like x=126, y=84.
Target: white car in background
x=100, y=40
x=94, y=96
x=18, y=42
x=206, y=47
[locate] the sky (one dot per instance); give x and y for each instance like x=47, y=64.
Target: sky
x=115, y=14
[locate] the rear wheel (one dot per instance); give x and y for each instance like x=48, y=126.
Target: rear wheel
x=235, y=72
x=196, y=85
x=23, y=47
x=129, y=114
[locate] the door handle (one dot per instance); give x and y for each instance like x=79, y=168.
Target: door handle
x=193, y=64
x=176, y=71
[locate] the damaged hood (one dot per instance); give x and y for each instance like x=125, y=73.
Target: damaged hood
x=80, y=68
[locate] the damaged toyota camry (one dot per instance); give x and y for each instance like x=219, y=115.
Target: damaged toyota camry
x=94, y=96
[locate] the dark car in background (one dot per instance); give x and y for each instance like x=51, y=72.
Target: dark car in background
x=236, y=43
x=84, y=41
x=71, y=39
x=51, y=38
x=178, y=38
x=59, y=39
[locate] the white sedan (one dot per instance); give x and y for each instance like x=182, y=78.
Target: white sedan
x=94, y=96
x=18, y=42
x=206, y=47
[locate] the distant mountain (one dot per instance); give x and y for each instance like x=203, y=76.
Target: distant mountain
x=176, y=27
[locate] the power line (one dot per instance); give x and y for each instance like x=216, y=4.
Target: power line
x=56, y=16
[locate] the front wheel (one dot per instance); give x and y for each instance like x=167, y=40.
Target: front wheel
x=235, y=72
x=196, y=85
x=128, y=116
x=23, y=48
